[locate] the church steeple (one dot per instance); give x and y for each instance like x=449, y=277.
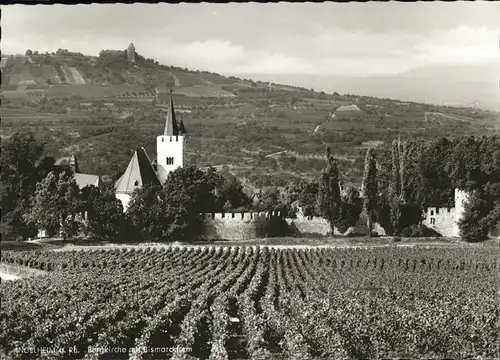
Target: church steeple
x=171, y=128
x=169, y=145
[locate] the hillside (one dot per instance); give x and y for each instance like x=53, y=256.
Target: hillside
x=457, y=85
x=101, y=108
x=65, y=73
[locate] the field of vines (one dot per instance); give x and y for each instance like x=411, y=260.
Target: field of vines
x=252, y=303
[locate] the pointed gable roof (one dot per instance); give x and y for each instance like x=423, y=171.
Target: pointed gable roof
x=83, y=180
x=182, y=128
x=171, y=128
x=139, y=172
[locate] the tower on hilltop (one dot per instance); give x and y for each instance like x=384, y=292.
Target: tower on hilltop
x=131, y=53
x=170, y=145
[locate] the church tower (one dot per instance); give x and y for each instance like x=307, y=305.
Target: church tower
x=170, y=145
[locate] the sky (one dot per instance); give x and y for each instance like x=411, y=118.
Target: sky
x=327, y=39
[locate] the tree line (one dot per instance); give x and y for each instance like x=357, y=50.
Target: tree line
x=407, y=177
x=399, y=183
x=403, y=179
x=37, y=194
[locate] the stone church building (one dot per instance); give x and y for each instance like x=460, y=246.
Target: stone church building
x=141, y=170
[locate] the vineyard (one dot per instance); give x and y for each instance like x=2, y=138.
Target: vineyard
x=252, y=303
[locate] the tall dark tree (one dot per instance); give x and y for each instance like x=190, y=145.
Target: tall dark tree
x=435, y=164
x=370, y=189
x=328, y=200
x=308, y=194
x=414, y=190
x=396, y=193
x=395, y=185
x=349, y=209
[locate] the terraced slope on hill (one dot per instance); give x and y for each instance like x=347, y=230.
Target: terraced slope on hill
x=231, y=122
x=109, y=69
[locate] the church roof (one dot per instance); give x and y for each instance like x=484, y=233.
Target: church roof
x=171, y=127
x=139, y=172
x=83, y=180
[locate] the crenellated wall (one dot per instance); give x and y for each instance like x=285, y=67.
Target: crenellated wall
x=442, y=220
x=242, y=226
x=235, y=226
x=310, y=225
x=445, y=220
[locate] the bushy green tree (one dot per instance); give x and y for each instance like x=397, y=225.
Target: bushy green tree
x=157, y=215
x=229, y=190
x=199, y=185
x=56, y=202
x=474, y=226
x=173, y=212
x=22, y=165
x=146, y=212
x=328, y=201
x=269, y=199
x=105, y=217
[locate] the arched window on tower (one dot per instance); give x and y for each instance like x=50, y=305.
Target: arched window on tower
x=170, y=160
x=136, y=183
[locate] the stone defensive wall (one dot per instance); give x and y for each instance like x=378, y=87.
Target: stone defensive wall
x=250, y=225
x=236, y=225
x=443, y=220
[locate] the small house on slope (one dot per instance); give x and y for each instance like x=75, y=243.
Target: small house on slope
x=347, y=112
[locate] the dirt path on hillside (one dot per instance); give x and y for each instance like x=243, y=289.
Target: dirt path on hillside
x=77, y=77
x=448, y=116
x=175, y=78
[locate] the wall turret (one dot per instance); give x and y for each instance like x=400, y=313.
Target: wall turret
x=461, y=197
